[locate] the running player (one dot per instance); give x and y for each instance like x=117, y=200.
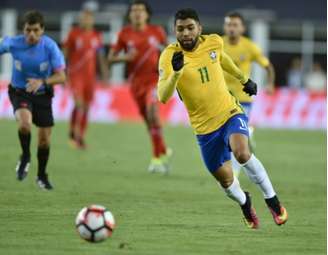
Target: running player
x=194, y=67
x=243, y=52
x=37, y=65
x=83, y=47
x=141, y=43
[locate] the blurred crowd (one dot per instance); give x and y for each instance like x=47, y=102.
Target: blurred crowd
x=315, y=80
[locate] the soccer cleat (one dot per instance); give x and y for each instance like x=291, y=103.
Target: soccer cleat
x=250, y=217
x=72, y=144
x=81, y=144
x=157, y=165
x=281, y=218
x=22, y=167
x=279, y=213
x=78, y=144
x=167, y=158
x=44, y=183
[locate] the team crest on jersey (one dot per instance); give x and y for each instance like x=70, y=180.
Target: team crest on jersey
x=152, y=41
x=79, y=43
x=242, y=57
x=130, y=44
x=94, y=43
x=18, y=65
x=44, y=66
x=213, y=56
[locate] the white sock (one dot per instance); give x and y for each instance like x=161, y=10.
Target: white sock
x=235, y=192
x=236, y=166
x=257, y=174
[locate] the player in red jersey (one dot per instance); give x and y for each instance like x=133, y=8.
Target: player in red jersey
x=141, y=44
x=82, y=48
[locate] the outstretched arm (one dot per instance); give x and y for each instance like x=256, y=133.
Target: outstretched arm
x=4, y=45
x=229, y=66
x=166, y=87
x=114, y=57
x=263, y=61
x=170, y=71
x=271, y=78
x=102, y=61
x=58, y=77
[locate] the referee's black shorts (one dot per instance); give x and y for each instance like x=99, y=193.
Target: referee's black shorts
x=38, y=104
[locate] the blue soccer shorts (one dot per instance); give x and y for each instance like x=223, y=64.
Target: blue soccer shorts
x=215, y=148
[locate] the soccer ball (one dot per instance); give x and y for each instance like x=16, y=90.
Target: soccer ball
x=95, y=223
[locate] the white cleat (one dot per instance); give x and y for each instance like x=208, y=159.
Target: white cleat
x=157, y=166
x=22, y=168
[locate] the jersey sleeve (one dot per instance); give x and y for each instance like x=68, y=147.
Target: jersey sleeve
x=220, y=43
x=119, y=45
x=165, y=68
x=57, y=60
x=5, y=44
x=259, y=57
x=168, y=79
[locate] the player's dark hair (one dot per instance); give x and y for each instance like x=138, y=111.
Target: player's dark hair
x=235, y=14
x=187, y=13
x=33, y=17
x=141, y=2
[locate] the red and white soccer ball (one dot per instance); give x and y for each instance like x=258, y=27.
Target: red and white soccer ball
x=95, y=223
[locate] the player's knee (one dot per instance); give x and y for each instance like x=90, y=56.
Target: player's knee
x=25, y=127
x=242, y=156
x=44, y=142
x=226, y=183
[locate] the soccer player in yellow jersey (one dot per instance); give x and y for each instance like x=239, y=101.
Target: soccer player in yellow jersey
x=194, y=67
x=243, y=52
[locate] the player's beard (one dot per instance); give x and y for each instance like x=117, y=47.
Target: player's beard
x=189, y=46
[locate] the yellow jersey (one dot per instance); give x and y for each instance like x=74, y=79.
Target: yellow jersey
x=201, y=84
x=243, y=54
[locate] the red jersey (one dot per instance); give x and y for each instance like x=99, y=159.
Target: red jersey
x=146, y=43
x=82, y=48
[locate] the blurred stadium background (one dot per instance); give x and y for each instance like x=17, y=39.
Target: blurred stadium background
x=293, y=35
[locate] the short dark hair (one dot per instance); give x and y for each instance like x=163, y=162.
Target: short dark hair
x=33, y=17
x=235, y=14
x=187, y=13
x=144, y=3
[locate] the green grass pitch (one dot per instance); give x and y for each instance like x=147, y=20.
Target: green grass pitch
x=185, y=213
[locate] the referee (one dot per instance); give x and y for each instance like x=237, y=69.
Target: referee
x=38, y=64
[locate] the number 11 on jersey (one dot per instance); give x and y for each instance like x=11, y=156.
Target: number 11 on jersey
x=204, y=74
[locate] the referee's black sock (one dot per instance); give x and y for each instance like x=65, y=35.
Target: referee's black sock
x=25, y=141
x=43, y=156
